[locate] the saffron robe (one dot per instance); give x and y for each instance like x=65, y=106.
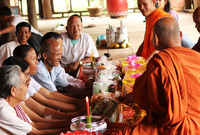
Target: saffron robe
x=150, y=21
x=169, y=92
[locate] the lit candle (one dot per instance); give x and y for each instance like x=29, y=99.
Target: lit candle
x=87, y=105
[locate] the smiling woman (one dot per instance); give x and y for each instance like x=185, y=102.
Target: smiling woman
x=12, y=91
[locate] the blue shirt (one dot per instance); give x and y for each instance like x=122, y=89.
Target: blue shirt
x=50, y=80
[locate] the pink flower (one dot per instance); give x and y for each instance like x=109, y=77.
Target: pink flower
x=134, y=64
x=136, y=75
x=133, y=57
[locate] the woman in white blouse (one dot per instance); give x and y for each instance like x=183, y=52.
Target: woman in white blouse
x=13, y=91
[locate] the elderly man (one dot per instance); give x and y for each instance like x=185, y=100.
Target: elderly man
x=196, y=19
x=13, y=91
x=49, y=73
x=148, y=9
x=23, y=33
x=77, y=46
x=165, y=89
x=7, y=17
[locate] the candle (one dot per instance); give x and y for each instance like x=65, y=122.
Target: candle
x=91, y=55
x=87, y=105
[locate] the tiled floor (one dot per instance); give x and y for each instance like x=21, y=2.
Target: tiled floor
x=134, y=23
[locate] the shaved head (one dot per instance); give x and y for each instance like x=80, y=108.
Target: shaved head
x=168, y=33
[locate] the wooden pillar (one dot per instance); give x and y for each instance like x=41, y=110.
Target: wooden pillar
x=196, y=3
x=47, y=12
x=32, y=16
x=188, y=4
x=5, y=3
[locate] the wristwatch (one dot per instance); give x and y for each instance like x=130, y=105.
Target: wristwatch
x=80, y=63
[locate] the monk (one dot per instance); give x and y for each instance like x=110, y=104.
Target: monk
x=196, y=19
x=169, y=88
x=148, y=9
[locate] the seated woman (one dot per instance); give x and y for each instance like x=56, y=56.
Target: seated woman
x=13, y=91
x=32, y=107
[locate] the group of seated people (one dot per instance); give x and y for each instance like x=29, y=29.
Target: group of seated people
x=38, y=88
x=39, y=96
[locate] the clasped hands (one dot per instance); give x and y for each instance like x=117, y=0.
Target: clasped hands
x=72, y=67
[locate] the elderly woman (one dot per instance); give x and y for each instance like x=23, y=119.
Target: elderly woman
x=13, y=91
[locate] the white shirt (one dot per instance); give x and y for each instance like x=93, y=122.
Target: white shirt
x=79, y=51
x=33, y=87
x=9, y=122
x=17, y=19
x=6, y=50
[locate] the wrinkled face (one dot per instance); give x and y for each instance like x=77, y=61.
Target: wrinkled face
x=54, y=57
x=74, y=27
x=27, y=76
x=31, y=58
x=161, y=3
x=196, y=19
x=21, y=90
x=146, y=7
x=23, y=35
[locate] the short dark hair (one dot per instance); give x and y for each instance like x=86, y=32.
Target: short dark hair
x=23, y=24
x=16, y=61
x=49, y=35
x=9, y=77
x=76, y=16
x=4, y=10
x=46, y=47
x=21, y=51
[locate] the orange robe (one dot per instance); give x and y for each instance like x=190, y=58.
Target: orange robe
x=197, y=46
x=151, y=20
x=169, y=91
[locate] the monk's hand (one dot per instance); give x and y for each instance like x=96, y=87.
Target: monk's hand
x=128, y=99
x=73, y=66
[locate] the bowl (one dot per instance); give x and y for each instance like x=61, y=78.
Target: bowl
x=79, y=123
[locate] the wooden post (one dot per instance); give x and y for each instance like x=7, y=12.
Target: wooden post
x=188, y=4
x=32, y=16
x=46, y=4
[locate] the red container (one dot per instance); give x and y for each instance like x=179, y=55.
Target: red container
x=117, y=8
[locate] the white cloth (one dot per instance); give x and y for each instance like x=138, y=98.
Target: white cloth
x=6, y=50
x=9, y=122
x=79, y=51
x=33, y=87
x=17, y=19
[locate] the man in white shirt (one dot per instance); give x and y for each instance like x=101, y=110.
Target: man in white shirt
x=23, y=32
x=7, y=17
x=77, y=46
